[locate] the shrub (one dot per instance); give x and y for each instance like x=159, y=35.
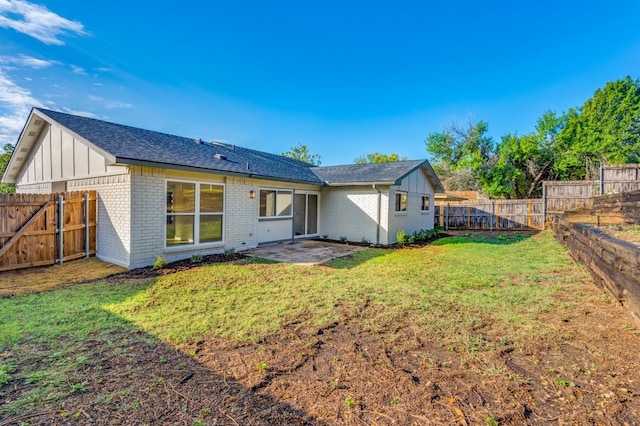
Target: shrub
x=401, y=237
x=196, y=258
x=159, y=263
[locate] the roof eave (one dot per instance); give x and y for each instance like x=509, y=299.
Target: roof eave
x=178, y=167
x=387, y=183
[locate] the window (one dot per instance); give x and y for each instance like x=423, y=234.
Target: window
x=194, y=213
x=425, y=203
x=274, y=203
x=401, y=201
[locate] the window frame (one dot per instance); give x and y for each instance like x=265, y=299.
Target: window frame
x=196, y=214
x=398, y=203
x=428, y=205
x=275, y=206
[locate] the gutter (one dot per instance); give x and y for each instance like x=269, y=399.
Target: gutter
x=379, y=213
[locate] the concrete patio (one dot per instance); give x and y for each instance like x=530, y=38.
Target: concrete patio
x=304, y=252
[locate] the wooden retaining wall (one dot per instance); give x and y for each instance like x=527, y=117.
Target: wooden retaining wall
x=614, y=264
x=493, y=215
x=39, y=229
x=622, y=209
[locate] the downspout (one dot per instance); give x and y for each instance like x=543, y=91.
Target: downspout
x=379, y=213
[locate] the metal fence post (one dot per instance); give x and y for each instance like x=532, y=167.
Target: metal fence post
x=60, y=229
x=601, y=180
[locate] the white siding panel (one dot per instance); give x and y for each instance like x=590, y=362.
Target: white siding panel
x=80, y=159
x=97, y=163
x=56, y=153
x=67, y=156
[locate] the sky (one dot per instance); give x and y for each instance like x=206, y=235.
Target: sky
x=345, y=78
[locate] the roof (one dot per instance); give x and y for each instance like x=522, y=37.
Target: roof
x=131, y=145
x=375, y=173
x=121, y=144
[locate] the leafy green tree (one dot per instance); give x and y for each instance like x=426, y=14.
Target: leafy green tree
x=378, y=157
x=524, y=162
x=301, y=152
x=4, y=161
x=605, y=130
x=462, y=155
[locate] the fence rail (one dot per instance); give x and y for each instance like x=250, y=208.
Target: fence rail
x=43, y=229
x=492, y=215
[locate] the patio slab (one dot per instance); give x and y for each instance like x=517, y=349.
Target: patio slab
x=304, y=252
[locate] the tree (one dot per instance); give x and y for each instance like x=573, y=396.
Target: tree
x=4, y=161
x=605, y=130
x=524, y=162
x=462, y=154
x=378, y=157
x=301, y=152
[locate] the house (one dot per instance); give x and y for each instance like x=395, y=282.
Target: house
x=170, y=196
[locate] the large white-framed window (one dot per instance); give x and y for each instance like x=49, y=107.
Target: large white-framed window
x=424, y=206
x=275, y=203
x=195, y=213
x=401, y=202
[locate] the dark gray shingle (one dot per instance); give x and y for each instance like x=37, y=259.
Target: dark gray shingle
x=134, y=145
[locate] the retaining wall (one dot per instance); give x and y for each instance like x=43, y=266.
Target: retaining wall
x=614, y=264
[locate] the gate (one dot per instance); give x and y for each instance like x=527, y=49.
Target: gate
x=43, y=229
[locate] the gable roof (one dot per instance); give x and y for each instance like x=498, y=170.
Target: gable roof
x=134, y=146
x=121, y=144
x=375, y=173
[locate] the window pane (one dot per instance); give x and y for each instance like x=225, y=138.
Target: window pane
x=267, y=203
x=179, y=230
x=401, y=202
x=312, y=214
x=425, y=202
x=283, y=203
x=211, y=198
x=210, y=228
x=181, y=197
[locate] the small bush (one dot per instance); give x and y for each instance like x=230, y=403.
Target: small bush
x=159, y=263
x=197, y=258
x=229, y=252
x=401, y=237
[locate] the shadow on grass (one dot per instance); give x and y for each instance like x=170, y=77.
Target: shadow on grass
x=357, y=258
x=484, y=237
x=65, y=358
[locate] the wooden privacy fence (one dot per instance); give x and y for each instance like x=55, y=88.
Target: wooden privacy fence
x=561, y=196
x=43, y=229
x=491, y=215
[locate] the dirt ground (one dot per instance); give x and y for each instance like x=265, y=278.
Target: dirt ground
x=586, y=371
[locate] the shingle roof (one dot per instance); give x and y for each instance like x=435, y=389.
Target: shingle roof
x=375, y=173
x=131, y=145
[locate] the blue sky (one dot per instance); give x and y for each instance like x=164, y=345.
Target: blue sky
x=344, y=78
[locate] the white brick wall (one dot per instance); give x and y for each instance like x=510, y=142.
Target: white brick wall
x=114, y=224
x=36, y=188
x=148, y=219
x=352, y=212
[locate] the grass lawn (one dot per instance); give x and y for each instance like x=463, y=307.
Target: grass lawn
x=470, y=297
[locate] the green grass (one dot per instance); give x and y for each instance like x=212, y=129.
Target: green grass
x=448, y=289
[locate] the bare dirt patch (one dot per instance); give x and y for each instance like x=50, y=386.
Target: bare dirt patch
x=585, y=371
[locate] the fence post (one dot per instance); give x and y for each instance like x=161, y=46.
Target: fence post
x=544, y=204
x=601, y=180
x=60, y=229
x=86, y=225
x=491, y=216
x=446, y=217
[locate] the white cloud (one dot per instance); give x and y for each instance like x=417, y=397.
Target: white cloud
x=110, y=104
x=37, y=21
x=103, y=69
x=78, y=70
x=26, y=61
x=16, y=103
